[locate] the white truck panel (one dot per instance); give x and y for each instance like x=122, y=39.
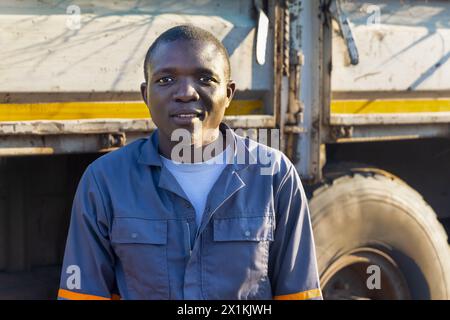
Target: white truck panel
x=42, y=51
x=408, y=50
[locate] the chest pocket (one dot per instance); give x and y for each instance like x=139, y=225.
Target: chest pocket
x=141, y=247
x=244, y=229
x=138, y=230
x=235, y=261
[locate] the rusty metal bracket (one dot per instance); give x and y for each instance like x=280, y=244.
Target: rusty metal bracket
x=113, y=140
x=339, y=132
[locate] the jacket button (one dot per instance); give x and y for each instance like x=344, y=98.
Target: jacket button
x=134, y=235
x=247, y=233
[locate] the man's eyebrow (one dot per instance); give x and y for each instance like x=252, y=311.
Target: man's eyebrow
x=164, y=70
x=208, y=72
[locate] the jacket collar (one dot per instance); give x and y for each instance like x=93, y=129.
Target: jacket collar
x=149, y=153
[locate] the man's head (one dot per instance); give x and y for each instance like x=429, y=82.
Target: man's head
x=187, y=84
x=188, y=33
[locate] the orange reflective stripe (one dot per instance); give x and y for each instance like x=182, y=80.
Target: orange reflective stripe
x=314, y=293
x=115, y=297
x=66, y=294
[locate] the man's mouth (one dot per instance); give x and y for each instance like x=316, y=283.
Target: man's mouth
x=187, y=117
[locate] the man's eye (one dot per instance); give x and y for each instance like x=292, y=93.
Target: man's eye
x=165, y=80
x=206, y=79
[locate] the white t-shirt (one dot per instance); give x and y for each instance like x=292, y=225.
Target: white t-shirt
x=197, y=179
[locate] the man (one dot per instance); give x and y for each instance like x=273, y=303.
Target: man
x=147, y=225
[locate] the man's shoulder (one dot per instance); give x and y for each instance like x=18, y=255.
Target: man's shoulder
x=121, y=158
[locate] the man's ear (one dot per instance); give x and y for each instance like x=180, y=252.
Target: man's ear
x=144, y=92
x=231, y=88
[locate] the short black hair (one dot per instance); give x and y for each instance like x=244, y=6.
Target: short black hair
x=187, y=32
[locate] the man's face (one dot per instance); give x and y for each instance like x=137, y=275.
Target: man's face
x=187, y=86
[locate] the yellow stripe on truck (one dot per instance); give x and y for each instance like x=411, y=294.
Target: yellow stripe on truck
x=390, y=106
x=138, y=110
x=101, y=110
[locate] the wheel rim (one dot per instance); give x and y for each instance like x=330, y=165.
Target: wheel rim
x=347, y=277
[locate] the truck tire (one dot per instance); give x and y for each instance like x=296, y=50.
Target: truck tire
x=376, y=238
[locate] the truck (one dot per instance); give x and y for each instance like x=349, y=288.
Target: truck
x=359, y=92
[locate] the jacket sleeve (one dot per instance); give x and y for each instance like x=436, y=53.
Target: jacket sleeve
x=88, y=267
x=292, y=259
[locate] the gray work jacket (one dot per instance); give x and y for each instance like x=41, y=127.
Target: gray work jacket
x=133, y=231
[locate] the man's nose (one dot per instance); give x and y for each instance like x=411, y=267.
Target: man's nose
x=186, y=91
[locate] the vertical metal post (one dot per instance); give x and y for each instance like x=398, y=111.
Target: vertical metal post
x=311, y=92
